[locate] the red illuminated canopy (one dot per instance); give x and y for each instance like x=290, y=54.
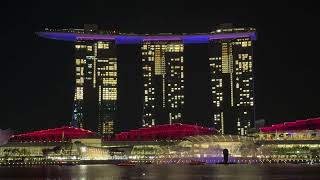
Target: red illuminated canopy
x=56, y=134
x=163, y=132
x=308, y=124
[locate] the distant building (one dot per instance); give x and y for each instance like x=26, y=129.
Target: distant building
x=231, y=65
x=4, y=136
x=259, y=123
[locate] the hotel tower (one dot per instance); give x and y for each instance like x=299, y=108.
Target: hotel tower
x=163, y=82
x=232, y=87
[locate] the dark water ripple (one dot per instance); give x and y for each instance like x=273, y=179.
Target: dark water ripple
x=161, y=172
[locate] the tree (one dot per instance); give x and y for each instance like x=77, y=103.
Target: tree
x=314, y=153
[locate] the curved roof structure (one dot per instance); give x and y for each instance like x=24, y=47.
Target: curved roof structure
x=163, y=132
x=138, y=39
x=219, y=138
x=308, y=124
x=56, y=134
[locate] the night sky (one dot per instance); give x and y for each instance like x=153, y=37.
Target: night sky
x=37, y=75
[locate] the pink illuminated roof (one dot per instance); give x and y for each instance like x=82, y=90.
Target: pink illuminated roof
x=308, y=124
x=55, y=134
x=163, y=132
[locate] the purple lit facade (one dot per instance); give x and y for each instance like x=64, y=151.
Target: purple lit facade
x=138, y=39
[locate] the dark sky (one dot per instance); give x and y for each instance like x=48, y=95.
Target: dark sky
x=37, y=74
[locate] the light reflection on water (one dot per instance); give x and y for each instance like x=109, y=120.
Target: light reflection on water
x=185, y=172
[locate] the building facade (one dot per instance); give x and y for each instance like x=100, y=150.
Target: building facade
x=95, y=96
x=163, y=82
x=231, y=67
x=230, y=57
x=289, y=142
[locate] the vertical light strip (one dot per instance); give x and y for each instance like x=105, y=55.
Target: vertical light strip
x=230, y=57
x=225, y=58
x=163, y=72
x=100, y=94
x=94, y=65
x=231, y=89
x=163, y=91
x=163, y=59
x=222, y=123
x=231, y=71
x=157, y=61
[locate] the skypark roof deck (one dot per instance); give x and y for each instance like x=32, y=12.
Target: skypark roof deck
x=138, y=39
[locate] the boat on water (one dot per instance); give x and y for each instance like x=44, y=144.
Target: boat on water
x=67, y=163
x=194, y=162
x=126, y=164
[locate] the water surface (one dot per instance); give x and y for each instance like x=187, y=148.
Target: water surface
x=161, y=172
